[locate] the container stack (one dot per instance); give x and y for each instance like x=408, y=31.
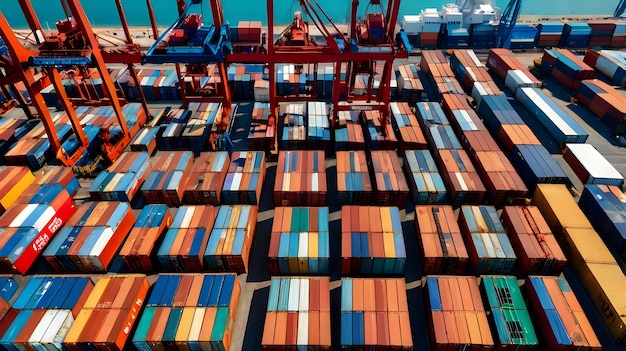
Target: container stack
x=91, y=237
x=575, y=35
x=489, y=248
x=407, y=127
x=243, y=78
x=29, y=225
x=109, y=313
x=605, y=102
x=206, y=178
x=611, y=63
x=500, y=61
x=373, y=130
x=228, y=249
x=300, y=179
x=481, y=89
x=605, y=206
x=244, y=179
x=145, y=140
x=523, y=36
x=596, y=267
x=123, y=179
x=353, y=179
x=318, y=126
x=262, y=136
x=389, y=181
x=500, y=178
x=559, y=315
x=12, y=128
x=139, y=250
x=565, y=68
x=185, y=241
x=298, y=315
x=43, y=312
x=482, y=36
x=508, y=312
x=168, y=179
x=468, y=69
x=171, y=129
x=516, y=79
x=59, y=175
x=590, y=166
x=372, y=241
x=535, y=246
x=434, y=64
x=549, y=34
x=457, y=316
x=13, y=181
x=299, y=242
x=425, y=182
x=348, y=132
x=556, y=121
x=410, y=87
x=33, y=149
x=374, y=315
x=204, y=116
x=439, y=239
x=190, y=311
x=619, y=35
x=294, y=127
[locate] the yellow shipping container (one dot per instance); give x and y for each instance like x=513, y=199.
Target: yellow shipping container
x=559, y=208
x=606, y=285
x=583, y=246
x=13, y=182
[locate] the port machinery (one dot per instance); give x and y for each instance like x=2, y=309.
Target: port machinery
x=507, y=22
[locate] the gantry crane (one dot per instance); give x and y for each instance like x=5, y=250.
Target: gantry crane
x=620, y=9
x=507, y=22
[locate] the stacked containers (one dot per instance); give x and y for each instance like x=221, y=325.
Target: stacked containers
x=423, y=176
x=598, y=271
x=457, y=316
x=13, y=181
x=58, y=175
x=204, y=116
x=123, y=179
x=170, y=131
x=293, y=134
x=509, y=315
x=168, y=178
x=109, y=313
x=489, y=248
x=298, y=315
x=206, y=178
x=502, y=181
x=482, y=36
x=262, y=136
x=516, y=78
x=353, y=179
x=374, y=315
x=576, y=35
x=566, y=68
x=601, y=32
x=299, y=242
x=372, y=241
x=619, y=35
x=91, y=237
x=190, y=311
x=300, y=179
x=462, y=181
x=559, y=315
x=139, y=249
x=244, y=179
x=228, y=249
x=429, y=36
x=348, y=132
x=43, y=312
x=556, y=121
x=605, y=102
x=389, y=181
x=243, y=78
x=145, y=140
x=523, y=36
x=605, y=207
x=318, y=126
x=535, y=246
x=439, y=240
x=31, y=223
x=590, y=166
x=33, y=149
x=549, y=33
x=500, y=61
x=469, y=70
x=611, y=63
x=378, y=139
x=410, y=87
x=184, y=243
x=481, y=89
x=434, y=64
x=407, y=127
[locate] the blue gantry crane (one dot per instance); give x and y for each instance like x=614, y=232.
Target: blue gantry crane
x=620, y=9
x=507, y=22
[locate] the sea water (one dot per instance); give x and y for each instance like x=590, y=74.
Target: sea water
x=103, y=13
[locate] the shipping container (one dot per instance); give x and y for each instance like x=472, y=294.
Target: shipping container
x=425, y=181
x=377, y=136
x=300, y=241
x=206, y=178
x=605, y=102
x=109, y=314
x=139, y=249
x=168, y=178
x=374, y=315
x=511, y=135
x=535, y=165
x=590, y=166
x=575, y=35
x=508, y=313
x=300, y=179
x=123, y=179
x=496, y=110
x=390, y=185
x=188, y=312
x=500, y=61
x=456, y=315
x=244, y=179
x=298, y=315
x=565, y=68
x=536, y=248
x=353, y=179
x=406, y=125
x=481, y=89
x=439, y=239
x=410, y=86
x=262, y=135
x=145, y=140
x=488, y=245
x=305, y=126
x=59, y=175
x=559, y=316
x=523, y=36
x=348, y=131
x=462, y=181
x=91, y=237
x=549, y=34
x=13, y=181
x=611, y=63
x=228, y=248
x=516, y=78
x=374, y=246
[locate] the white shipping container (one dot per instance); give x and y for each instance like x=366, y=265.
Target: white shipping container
x=518, y=79
x=607, y=65
x=600, y=170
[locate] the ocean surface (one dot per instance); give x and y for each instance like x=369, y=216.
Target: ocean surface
x=103, y=13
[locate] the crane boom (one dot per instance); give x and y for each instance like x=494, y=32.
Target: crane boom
x=507, y=22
